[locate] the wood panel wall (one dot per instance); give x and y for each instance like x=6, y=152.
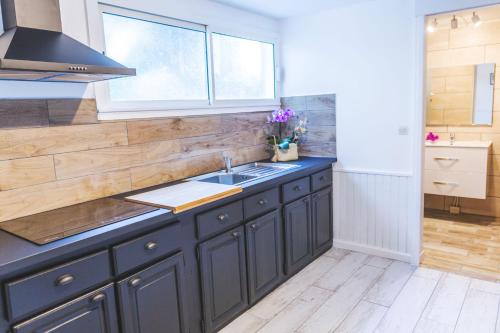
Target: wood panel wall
x=320, y=112
x=371, y=213
x=55, y=153
x=466, y=46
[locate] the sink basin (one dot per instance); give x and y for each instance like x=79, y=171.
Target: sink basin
x=461, y=144
x=228, y=179
x=246, y=173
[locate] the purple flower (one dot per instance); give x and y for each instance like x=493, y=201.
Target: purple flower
x=280, y=116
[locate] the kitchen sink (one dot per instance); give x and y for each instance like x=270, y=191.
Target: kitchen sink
x=246, y=173
x=228, y=179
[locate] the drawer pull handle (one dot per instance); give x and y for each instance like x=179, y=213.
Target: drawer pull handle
x=297, y=188
x=445, y=159
x=236, y=234
x=135, y=282
x=445, y=183
x=98, y=298
x=262, y=202
x=151, y=246
x=222, y=217
x=65, y=280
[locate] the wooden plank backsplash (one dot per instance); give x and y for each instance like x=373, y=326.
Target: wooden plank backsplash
x=55, y=153
x=320, y=112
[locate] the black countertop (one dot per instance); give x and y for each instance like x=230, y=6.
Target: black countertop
x=17, y=254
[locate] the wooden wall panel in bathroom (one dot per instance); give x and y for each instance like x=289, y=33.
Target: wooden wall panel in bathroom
x=467, y=46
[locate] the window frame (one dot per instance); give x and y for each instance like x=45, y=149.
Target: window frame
x=111, y=110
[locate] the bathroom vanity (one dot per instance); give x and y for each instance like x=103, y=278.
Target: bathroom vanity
x=458, y=169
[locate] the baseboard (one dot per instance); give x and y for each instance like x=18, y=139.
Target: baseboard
x=375, y=251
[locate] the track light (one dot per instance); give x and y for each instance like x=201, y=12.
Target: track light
x=454, y=22
x=432, y=26
x=476, y=20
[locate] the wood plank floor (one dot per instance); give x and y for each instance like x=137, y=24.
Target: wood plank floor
x=351, y=292
x=465, y=244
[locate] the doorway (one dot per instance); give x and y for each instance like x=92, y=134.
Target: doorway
x=461, y=172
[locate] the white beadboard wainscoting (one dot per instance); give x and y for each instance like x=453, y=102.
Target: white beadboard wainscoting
x=371, y=212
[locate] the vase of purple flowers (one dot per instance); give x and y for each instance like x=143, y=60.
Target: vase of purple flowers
x=283, y=142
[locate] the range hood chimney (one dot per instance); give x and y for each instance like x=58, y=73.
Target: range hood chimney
x=33, y=47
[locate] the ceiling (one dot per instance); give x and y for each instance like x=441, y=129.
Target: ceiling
x=286, y=8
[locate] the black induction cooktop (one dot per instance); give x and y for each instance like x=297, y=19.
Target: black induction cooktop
x=57, y=224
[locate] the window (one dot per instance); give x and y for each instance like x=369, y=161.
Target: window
x=184, y=68
x=171, y=61
x=243, y=69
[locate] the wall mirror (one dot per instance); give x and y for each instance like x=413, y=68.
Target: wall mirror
x=461, y=96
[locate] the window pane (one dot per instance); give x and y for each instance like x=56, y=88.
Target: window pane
x=243, y=69
x=171, y=62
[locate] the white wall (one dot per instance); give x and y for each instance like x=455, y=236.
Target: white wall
x=371, y=55
x=365, y=54
x=74, y=19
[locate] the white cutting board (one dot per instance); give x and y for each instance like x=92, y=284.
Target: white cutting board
x=185, y=196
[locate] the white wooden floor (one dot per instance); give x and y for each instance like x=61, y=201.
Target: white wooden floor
x=351, y=292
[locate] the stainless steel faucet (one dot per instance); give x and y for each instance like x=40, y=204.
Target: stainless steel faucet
x=228, y=162
x=452, y=138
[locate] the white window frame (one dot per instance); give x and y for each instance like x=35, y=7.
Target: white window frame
x=109, y=110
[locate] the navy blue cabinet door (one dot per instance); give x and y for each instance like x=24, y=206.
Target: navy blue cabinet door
x=94, y=312
x=264, y=255
x=153, y=300
x=322, y=221
x=223, y=278
x=298, y=234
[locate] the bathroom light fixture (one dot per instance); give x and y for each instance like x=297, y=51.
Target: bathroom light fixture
x=432, y=26
x=476, y=20
x=454, y=22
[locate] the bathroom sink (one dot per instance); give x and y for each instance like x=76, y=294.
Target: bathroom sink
x=460, y=144
x=246, y=173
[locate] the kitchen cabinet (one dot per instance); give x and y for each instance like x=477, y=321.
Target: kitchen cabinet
x=191, y=272
x=94, y=312
x=322, y=220
x=264, y=255
x=153, y=300
x=223, y=278
x=298, y=234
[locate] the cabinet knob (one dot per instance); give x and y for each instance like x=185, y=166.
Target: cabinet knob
x=297, y=188
x=236, y=234
x=135, y=282
x=151, y=246
x=253, y=226
x=64, y=280
x=222, y=217
x=262, y=202
x=322, y=178
x=98, y=298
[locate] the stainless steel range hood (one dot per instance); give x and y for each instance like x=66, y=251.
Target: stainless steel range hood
x=33, y=47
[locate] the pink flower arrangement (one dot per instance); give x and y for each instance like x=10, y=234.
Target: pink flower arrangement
x=432, y=137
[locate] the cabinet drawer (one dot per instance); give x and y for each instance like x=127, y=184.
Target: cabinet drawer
x=456, y=159
x=261, y=203
x=321, y=179
x=219, y=219
x=296, y=189
x=147, y=248
x=35, y=292
x=457, y=184
x=94, y=312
